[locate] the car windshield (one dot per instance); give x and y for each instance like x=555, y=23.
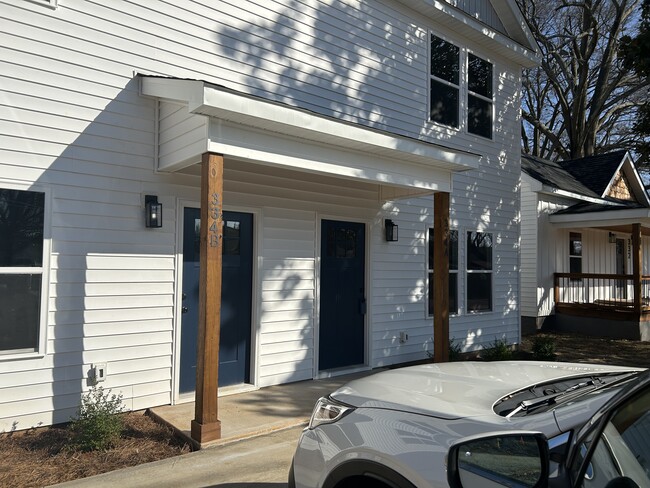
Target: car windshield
x=541, y=397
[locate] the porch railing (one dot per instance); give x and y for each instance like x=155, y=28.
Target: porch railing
x=601, y=291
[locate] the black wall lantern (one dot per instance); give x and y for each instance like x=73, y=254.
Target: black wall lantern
x=391, y=230
x=612, y=238
x=153, y=211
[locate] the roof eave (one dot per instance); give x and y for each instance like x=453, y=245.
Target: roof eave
x=526, y=55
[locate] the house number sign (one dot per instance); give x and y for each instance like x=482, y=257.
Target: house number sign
x=215, y=215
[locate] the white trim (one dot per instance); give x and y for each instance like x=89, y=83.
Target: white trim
x=177, y=398
x=44, y=270
x=604, y=218
x=626, y=167
x=464, y=24
x=368, y=225
x=256, y=297
x=480, y=271
x=307, y=129
x=552, y=190
x=469, y=93
x=429, y=269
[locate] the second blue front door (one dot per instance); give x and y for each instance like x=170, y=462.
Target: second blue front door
x=342, y=295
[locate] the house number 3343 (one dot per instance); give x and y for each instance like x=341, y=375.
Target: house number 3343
x=214, y=213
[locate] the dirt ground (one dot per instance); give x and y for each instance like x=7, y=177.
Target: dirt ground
x=39, y=457
x=582, y=349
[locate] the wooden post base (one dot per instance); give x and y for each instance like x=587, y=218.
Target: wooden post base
x=203, y=433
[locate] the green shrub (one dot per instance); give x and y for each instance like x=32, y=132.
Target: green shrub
x=543, y=348
x=497, y=351
x=455, y=349
x=98, y=424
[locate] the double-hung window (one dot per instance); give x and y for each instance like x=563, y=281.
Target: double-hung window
x=450, y=83
x=479, y=96
x=575, y=253
x=479, y=271
x=22, y=218
x=445, y=82
x=453, y=272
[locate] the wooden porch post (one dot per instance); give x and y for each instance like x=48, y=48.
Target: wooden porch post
x=637, y=263
x=206, y=425
x=441, y=277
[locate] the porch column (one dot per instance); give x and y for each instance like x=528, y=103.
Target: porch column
x=206, y=425
x=441, y=277
x=637, y=260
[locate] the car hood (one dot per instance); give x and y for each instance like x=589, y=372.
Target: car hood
x=456, y=390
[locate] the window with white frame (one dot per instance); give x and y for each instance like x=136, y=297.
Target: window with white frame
x=479, y=272
x=575, y=253
x=448, y=81
x=479, y=96
x=445, y=82
x=22, y=217
x=453, y=272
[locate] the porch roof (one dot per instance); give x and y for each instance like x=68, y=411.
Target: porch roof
x=246, y=127
x=617, y=217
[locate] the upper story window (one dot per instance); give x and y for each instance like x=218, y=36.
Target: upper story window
x=445, y=82
x=448, y=82
x=479, y=96
x=21, y=270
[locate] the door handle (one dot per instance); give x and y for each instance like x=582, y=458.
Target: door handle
x=184, y=310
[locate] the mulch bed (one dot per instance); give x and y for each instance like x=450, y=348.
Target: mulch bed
x=38, y=457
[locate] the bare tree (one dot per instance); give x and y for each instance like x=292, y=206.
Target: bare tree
x=581, y=100
x=635, y=50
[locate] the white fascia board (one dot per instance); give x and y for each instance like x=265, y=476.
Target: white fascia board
x=285, y=151
x=478, y=31
x=177, y=89
x=511, y=17
x=314, y=142
x=227, y=105
x=627, y=166
x=604, y=218
x=552, y=190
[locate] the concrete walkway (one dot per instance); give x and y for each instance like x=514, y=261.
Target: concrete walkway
x=266, y=422
x=256, y=412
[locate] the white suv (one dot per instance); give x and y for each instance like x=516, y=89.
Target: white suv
x=481, y=424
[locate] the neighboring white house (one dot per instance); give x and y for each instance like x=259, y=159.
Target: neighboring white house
x=330, y=117
x=584, y=246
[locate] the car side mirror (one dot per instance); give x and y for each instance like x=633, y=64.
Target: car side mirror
x=514, y=459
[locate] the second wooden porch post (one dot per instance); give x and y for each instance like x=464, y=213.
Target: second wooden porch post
x=637, y=264
x=441, y=277
x=206, y=425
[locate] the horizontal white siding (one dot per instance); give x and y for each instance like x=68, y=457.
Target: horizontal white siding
x=551, y=240
x=529, y=250
x=292, y=205
x=72, y=120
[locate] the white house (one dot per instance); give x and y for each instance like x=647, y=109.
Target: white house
x=585, y=246
x=323, y=121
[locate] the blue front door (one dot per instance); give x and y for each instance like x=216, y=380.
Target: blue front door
x=342, y=295
x=236, y=295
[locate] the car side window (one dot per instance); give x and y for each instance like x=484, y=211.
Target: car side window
x=622, y=452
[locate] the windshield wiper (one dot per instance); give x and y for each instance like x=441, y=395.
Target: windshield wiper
x=527, y=405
